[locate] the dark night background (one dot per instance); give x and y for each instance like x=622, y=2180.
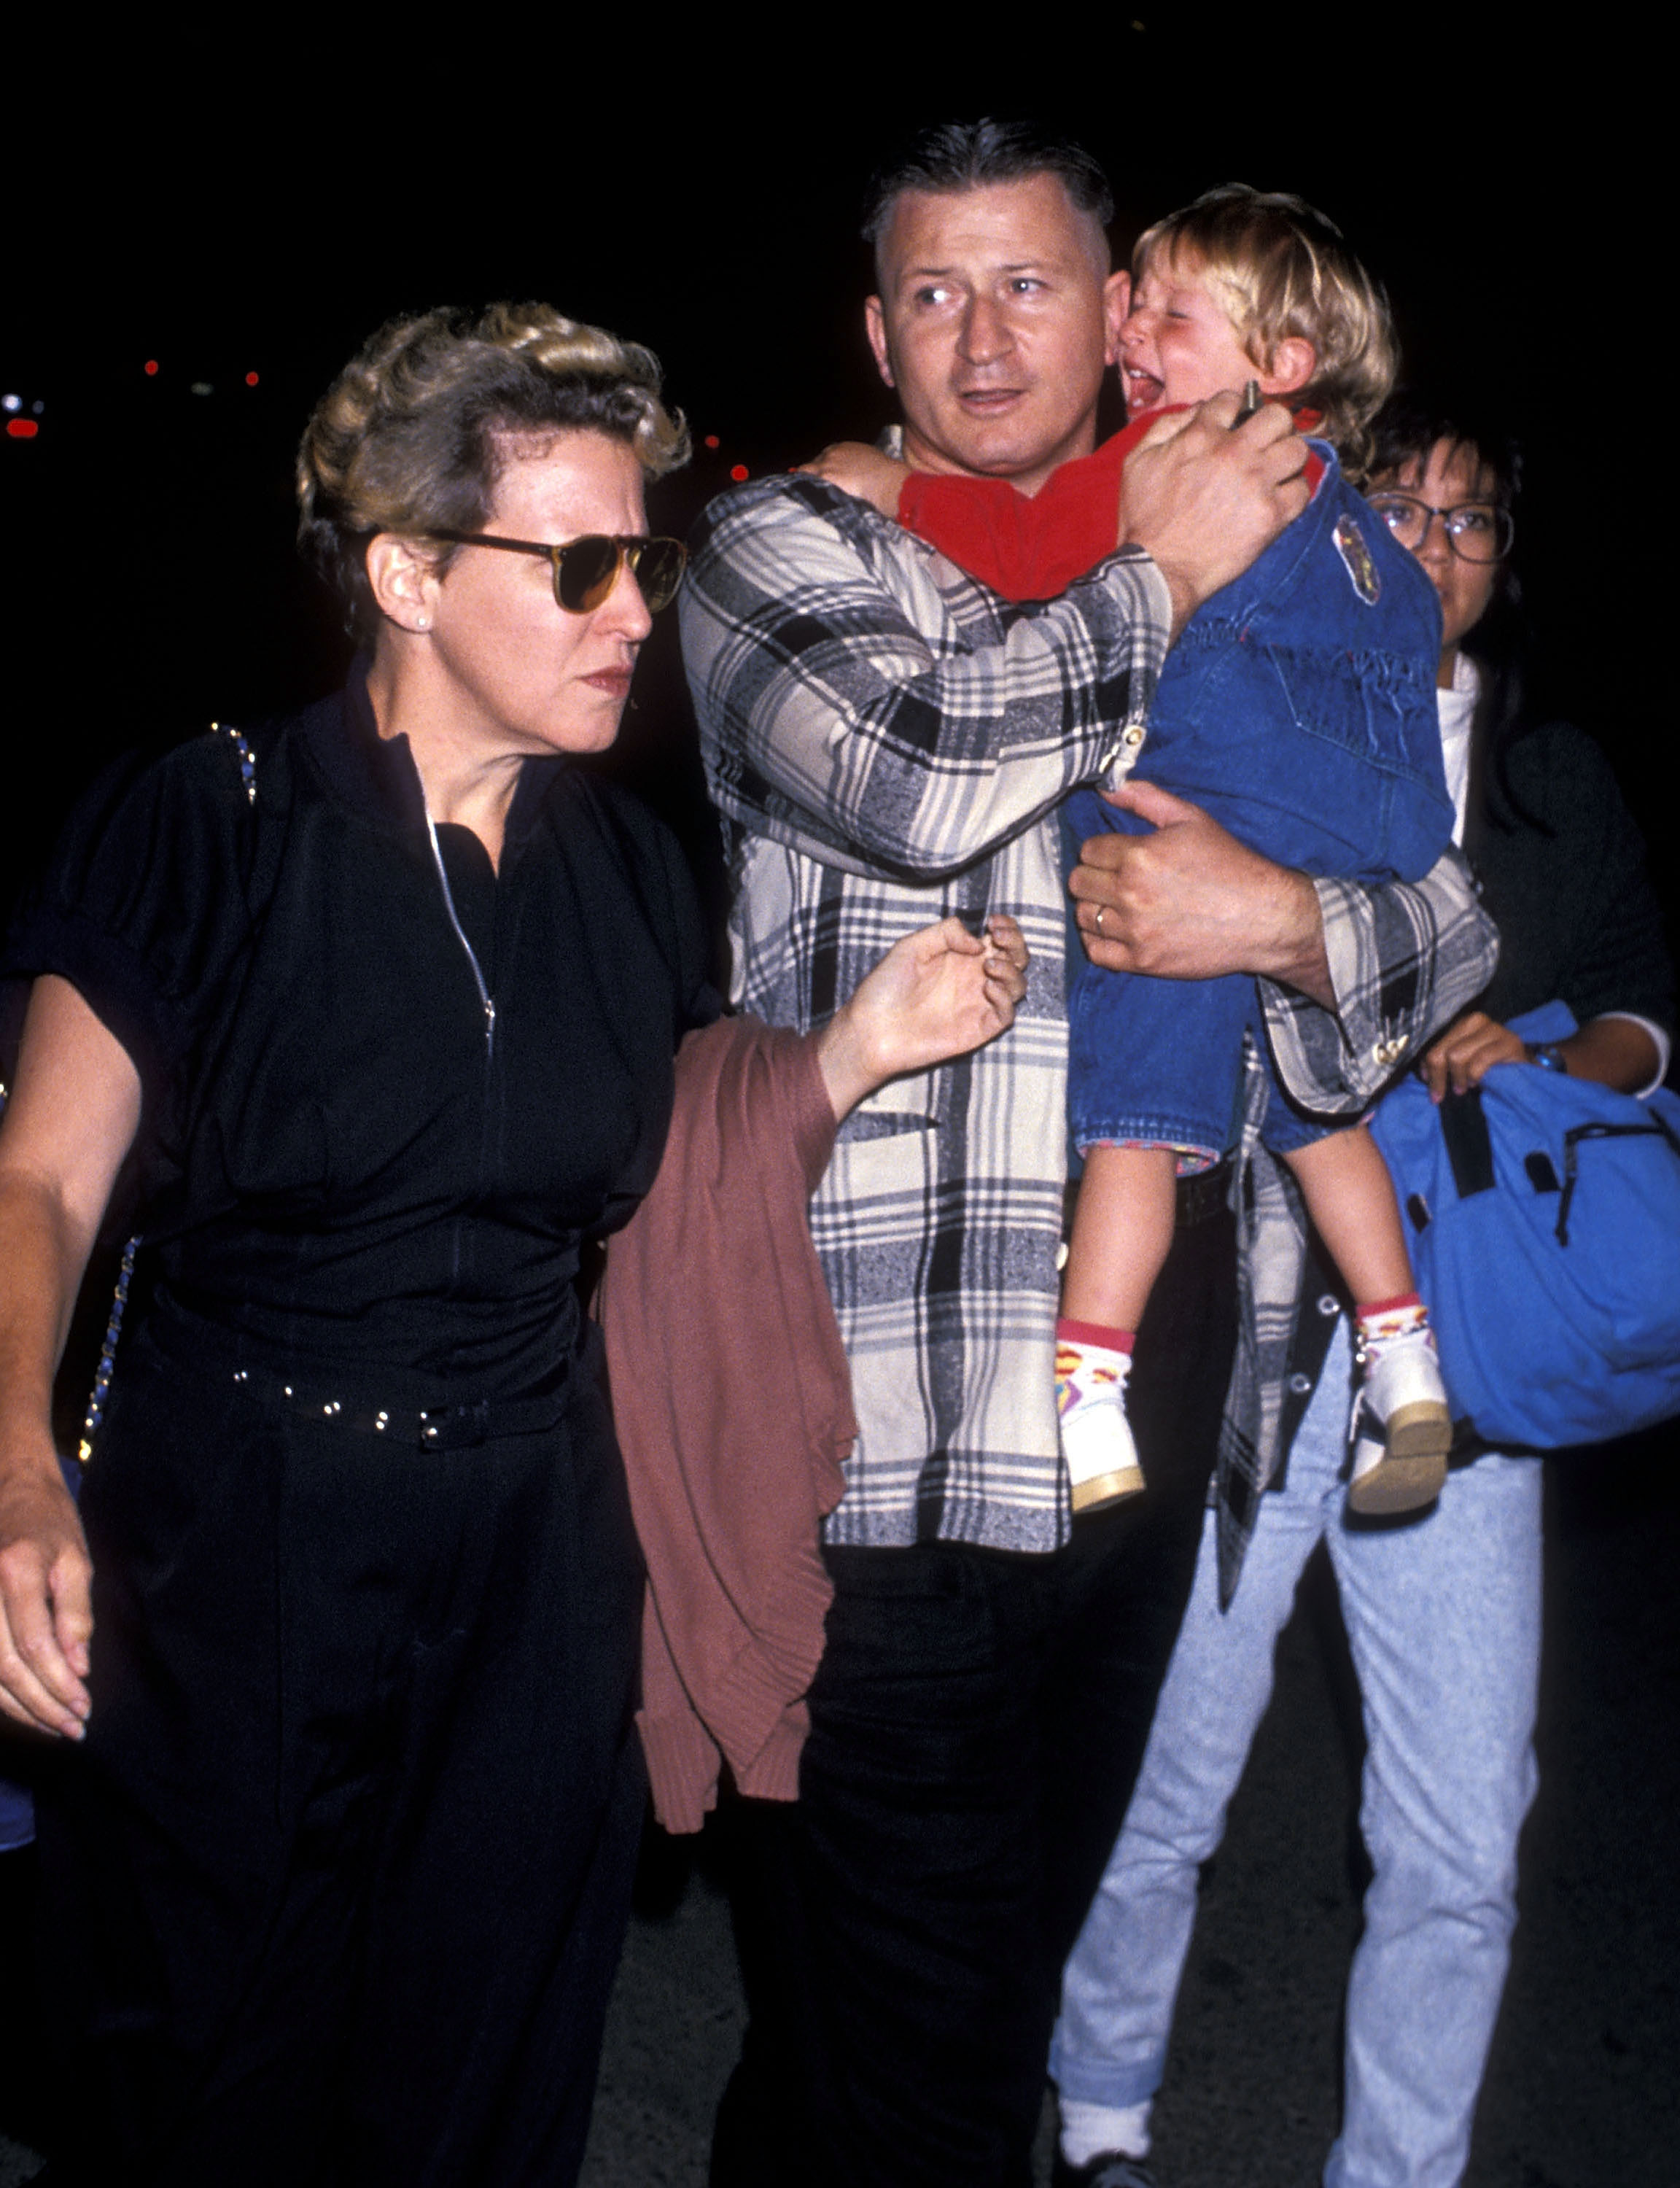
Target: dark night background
x=695, y=186
x=701, y=196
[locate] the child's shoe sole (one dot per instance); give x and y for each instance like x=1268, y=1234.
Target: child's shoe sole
x=1411, y=1465
x=1103, y=1490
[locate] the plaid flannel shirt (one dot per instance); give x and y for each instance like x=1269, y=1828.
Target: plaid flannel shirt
x=888, y=740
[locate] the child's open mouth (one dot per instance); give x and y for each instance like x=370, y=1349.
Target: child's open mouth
x=1143, y=390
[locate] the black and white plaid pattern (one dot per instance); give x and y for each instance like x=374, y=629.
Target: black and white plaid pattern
x=888, y=740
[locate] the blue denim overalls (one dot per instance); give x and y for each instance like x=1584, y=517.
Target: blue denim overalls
x=1297, y=707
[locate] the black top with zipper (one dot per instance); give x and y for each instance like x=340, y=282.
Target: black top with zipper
x=346, y=1161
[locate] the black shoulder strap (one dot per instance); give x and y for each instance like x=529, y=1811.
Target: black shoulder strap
x=1469, y=1147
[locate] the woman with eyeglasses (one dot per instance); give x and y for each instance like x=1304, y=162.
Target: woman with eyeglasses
x=1558, y=854
x=377, y=1006
x=1442, y=1613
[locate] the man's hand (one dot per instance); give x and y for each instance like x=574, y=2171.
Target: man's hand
x=937, y=994
x=862, y=471
x=1205, y=500
x=46, y=1614
x=1191, y=903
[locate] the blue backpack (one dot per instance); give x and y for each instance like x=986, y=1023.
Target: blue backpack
x=1544, y=1222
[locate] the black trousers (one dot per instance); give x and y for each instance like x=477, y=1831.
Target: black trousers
x=336, y=1887
x=977, y=1726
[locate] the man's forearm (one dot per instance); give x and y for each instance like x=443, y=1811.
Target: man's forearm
x=1405, y=958
x=1289, y=946
x=1355, y=977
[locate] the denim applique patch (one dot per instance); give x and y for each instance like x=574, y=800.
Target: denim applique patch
x=1356, y=558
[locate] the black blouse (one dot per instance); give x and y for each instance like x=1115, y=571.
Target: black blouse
x=1578, y=919
x=344, y=1160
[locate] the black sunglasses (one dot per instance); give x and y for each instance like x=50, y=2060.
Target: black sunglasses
x=586, y=569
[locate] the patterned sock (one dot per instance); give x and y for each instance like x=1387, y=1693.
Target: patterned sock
x=1092, y=1362
x=1391, y=1321
x=1403, y=1422
x=1090, y=2131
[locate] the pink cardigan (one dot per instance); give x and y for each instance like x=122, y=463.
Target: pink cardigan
x=733, y=1403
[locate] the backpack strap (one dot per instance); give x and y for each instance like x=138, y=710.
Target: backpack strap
x=1469, y=1145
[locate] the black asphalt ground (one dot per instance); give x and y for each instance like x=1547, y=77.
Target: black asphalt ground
x=1583, y=2090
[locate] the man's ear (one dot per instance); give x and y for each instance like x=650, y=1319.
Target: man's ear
x=875, y=323
x=1291, y=365
x=403, y=580
x=1116, y=303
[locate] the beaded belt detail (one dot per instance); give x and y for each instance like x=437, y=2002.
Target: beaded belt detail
x=438, y=1427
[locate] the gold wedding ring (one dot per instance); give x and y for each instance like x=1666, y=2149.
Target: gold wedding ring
x=1100, y=909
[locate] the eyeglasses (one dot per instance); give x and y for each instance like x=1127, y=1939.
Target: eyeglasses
x=585, y=570
x=1476, y=531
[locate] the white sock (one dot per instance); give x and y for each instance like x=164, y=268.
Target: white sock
x=1090, y=2131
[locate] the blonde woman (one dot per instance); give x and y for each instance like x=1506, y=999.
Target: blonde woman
x=381, y=1001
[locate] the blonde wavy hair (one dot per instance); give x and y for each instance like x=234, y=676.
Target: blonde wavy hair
x=1279, y=267
x=414, y=434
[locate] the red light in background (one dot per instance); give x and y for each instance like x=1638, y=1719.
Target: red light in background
x=711, y=440
x=151, y=367
x=250, y=379
x=738, y=470
x=22, y=429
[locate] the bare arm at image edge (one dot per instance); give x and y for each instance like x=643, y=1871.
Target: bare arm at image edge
x=71, y=1120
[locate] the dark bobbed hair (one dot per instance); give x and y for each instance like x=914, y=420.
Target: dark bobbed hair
x=1409, y=425
x=414, y=433
x=954, y=156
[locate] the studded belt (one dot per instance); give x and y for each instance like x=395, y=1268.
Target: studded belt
x=434, y=1427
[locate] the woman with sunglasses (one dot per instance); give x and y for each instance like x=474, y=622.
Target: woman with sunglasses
x=378, y=1005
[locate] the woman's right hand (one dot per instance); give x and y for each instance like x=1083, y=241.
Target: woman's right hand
x=46, y=1608
x=936, y=994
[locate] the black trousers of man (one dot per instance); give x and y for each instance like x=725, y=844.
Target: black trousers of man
x=977, y=1725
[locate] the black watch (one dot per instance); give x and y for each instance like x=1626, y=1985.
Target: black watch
x=1548, y=1056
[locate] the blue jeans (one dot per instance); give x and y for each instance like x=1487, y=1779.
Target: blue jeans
x=1297, y=707
x=1160, y=1063
x=1443, y=1617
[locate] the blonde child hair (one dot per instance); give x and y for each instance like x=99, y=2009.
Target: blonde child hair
x=1280, y=268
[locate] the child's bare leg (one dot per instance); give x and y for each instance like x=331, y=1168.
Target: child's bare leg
x=1350, y=1198
x=1122, y=1234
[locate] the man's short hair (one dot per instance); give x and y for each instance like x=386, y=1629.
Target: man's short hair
x=954, y=156
x=1281, y=267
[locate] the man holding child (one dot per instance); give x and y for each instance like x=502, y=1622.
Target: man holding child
x=888, y=739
